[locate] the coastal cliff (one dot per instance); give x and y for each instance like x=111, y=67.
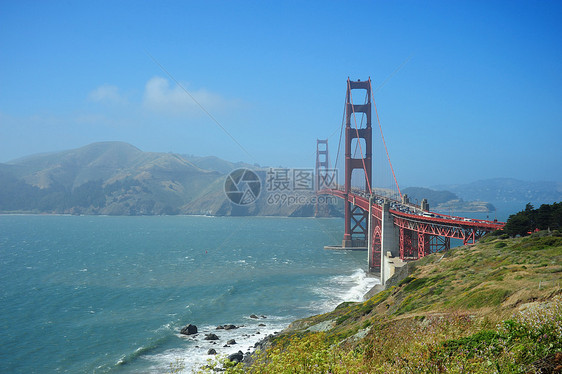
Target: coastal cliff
x=491, y=307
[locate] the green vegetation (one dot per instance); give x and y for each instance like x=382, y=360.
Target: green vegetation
x=487, y=308
x=547, y=217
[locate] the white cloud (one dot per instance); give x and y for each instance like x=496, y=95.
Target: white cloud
x=107, y=94
x=161, y=98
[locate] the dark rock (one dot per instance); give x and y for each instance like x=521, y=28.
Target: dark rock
x=236, y=357
x=261, y=324
x=263, y=316
x=254, y=316
x=211, y=336
x=261, y=345
x=230, y=327
x=189, y=330
x=257, y=332
x=211, y=351
x=231, y=341
x=220, y=328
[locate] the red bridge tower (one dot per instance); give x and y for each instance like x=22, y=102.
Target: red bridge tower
x=356, y=218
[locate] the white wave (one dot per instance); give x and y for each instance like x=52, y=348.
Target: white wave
x=194, y=353
x=344, y=288
x=362, y=283
x=165, y=327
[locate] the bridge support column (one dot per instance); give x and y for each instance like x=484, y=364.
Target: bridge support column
x=423, y=244
x=370, y=236
x=346, y=242
x=390, y=238
x=324, y=176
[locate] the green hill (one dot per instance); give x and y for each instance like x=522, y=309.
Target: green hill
x=494, y=307
x=216, y=164
x=101, y=178
x=119, y=179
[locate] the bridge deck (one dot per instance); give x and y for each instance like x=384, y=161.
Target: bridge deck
x=411, y=217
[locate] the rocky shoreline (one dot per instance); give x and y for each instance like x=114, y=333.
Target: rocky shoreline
x=264, y=343
x=217, y=340
x=216, y=343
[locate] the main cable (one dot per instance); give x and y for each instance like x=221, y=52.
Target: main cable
x=384, y=142
x=200, y=106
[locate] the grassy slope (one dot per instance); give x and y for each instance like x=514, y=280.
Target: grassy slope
x=448, y=316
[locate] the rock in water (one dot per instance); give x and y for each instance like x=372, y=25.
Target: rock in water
x=231, y=341
x=189, y=330
x=211, y=336
x=254, y=316
x=236, y=357
x=211, y=352
x=230, y=327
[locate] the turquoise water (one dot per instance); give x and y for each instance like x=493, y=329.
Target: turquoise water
x=110, y=294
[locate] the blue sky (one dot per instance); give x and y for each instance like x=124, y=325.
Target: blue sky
x=480, y=95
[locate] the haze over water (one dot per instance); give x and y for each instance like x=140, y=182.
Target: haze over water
x=110, y=294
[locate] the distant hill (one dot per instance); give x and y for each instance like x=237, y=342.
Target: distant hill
x=119, y=179
x=101, y=178
x=216, y=164
x=508, y=190
x=433, y=197
x=446, y=200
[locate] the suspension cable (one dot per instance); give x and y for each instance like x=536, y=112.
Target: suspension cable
x=384, y=142
x=341, y=132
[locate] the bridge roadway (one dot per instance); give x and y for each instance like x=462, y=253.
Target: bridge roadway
x=411, y=217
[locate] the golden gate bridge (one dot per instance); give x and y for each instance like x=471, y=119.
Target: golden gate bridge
x=383, y=221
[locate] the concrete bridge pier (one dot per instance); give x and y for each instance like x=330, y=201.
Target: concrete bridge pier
x=390, y=247
x=390, y=237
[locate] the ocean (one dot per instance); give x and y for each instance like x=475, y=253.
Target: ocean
x=100, y=294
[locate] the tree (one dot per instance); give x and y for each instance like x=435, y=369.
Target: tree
x=548, y=216
x=518, y=224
